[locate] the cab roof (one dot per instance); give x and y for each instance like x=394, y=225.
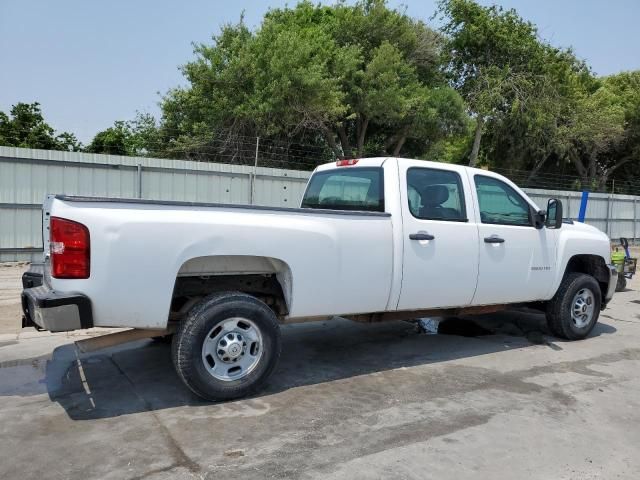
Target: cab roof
x=378, y=161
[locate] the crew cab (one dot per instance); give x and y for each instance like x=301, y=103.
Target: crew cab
x=374, y=239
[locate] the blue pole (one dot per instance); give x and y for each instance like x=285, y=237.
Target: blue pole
x=583, y=206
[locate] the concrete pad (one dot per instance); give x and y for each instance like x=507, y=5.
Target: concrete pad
x=10, y=288
x=347, y=401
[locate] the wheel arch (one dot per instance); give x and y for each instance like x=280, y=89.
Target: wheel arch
x=589, y=264
x=268, y=278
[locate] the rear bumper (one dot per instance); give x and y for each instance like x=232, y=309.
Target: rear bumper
x=613, y=279
x=47, y=309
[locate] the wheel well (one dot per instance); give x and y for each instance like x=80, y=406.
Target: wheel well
x=265, y=287
x=593, y=265
x=266, y=278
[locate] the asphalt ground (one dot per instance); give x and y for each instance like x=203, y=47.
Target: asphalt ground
x=496, y=397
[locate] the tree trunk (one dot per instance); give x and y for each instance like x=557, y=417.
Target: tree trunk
x=473, y=157
x=388, y=142
x=620, y=163
x=536, y=168
x=362, y=132
x=582, y=170
x=328, y=136
x=397, y=140
x=602, y=181
x=593, y=173
x=398, y=147
x=344, y=140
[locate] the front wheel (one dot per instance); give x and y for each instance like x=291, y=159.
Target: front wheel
x=227, y=347
x=574, y=310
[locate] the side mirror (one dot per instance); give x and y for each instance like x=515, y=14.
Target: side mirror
x=554, y=213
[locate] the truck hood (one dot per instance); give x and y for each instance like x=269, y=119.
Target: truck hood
x=578, y=239
x=583, y=228
x=587, y=232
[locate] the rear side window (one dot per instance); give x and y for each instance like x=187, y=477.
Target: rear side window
x=500, y=204
x=435, y=194
x=350, y=188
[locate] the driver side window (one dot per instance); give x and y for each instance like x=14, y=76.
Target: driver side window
x=500, y=204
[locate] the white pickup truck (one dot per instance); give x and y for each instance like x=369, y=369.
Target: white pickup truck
x=375, y=239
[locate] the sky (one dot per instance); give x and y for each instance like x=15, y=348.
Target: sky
x=90, y=63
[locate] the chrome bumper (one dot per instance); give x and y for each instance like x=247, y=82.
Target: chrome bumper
x=46, y=309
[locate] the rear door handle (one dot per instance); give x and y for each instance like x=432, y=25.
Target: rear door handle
x=421, y=236
x=493, y=239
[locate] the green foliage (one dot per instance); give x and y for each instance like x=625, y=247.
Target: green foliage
x=527, y=136
x=625, y=87
x=318, y=81
x=25, y=127
x=454, y=148
x=363, y=78
x=137, y=137
x=113, y=140
x=499, y=66
x=601, y=133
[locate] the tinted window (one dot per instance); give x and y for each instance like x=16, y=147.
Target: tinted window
x=347, y=188
x=435, y=194
x=499, y=203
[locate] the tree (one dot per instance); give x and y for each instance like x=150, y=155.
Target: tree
x=113, y=141
x=601, y=134
x=527, y=136
x=626, y=86
x=495, y=61
x=136, y=137
x=25, y=127
x=363, y=79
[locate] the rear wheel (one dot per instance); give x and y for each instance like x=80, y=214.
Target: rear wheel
x=227, y=347
x=574, y=310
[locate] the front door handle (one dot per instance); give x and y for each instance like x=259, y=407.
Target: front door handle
x=493, y=239
x=421, y=236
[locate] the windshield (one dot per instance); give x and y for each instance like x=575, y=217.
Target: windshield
x=347, y=188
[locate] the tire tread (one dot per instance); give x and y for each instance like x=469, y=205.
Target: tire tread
x=186, y=344
x=559, y=309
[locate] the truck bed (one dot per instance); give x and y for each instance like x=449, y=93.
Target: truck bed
x=141, y=201
x=140, y=247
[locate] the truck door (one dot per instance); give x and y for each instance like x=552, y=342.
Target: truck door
x=440, y=261
x=516, y=258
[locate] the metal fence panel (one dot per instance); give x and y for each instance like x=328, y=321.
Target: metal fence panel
x=279, y=191
x=26, y=175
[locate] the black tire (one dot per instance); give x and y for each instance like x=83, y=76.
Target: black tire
x=559, y=308
x=622, y=283
x=188, y=341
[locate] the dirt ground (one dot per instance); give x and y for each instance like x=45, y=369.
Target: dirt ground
x=498, y=398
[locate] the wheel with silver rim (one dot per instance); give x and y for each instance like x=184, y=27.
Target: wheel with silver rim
x=574, y=310
x=232, y=349
x=227, y=347
x=582, y=309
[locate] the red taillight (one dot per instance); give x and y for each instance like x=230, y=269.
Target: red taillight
x=346, y=163
x=69, y=244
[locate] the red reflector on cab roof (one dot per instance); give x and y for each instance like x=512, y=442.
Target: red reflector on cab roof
x=69, y=244
x=346, y=163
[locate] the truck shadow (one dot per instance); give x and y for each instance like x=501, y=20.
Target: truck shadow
x=140, y=376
